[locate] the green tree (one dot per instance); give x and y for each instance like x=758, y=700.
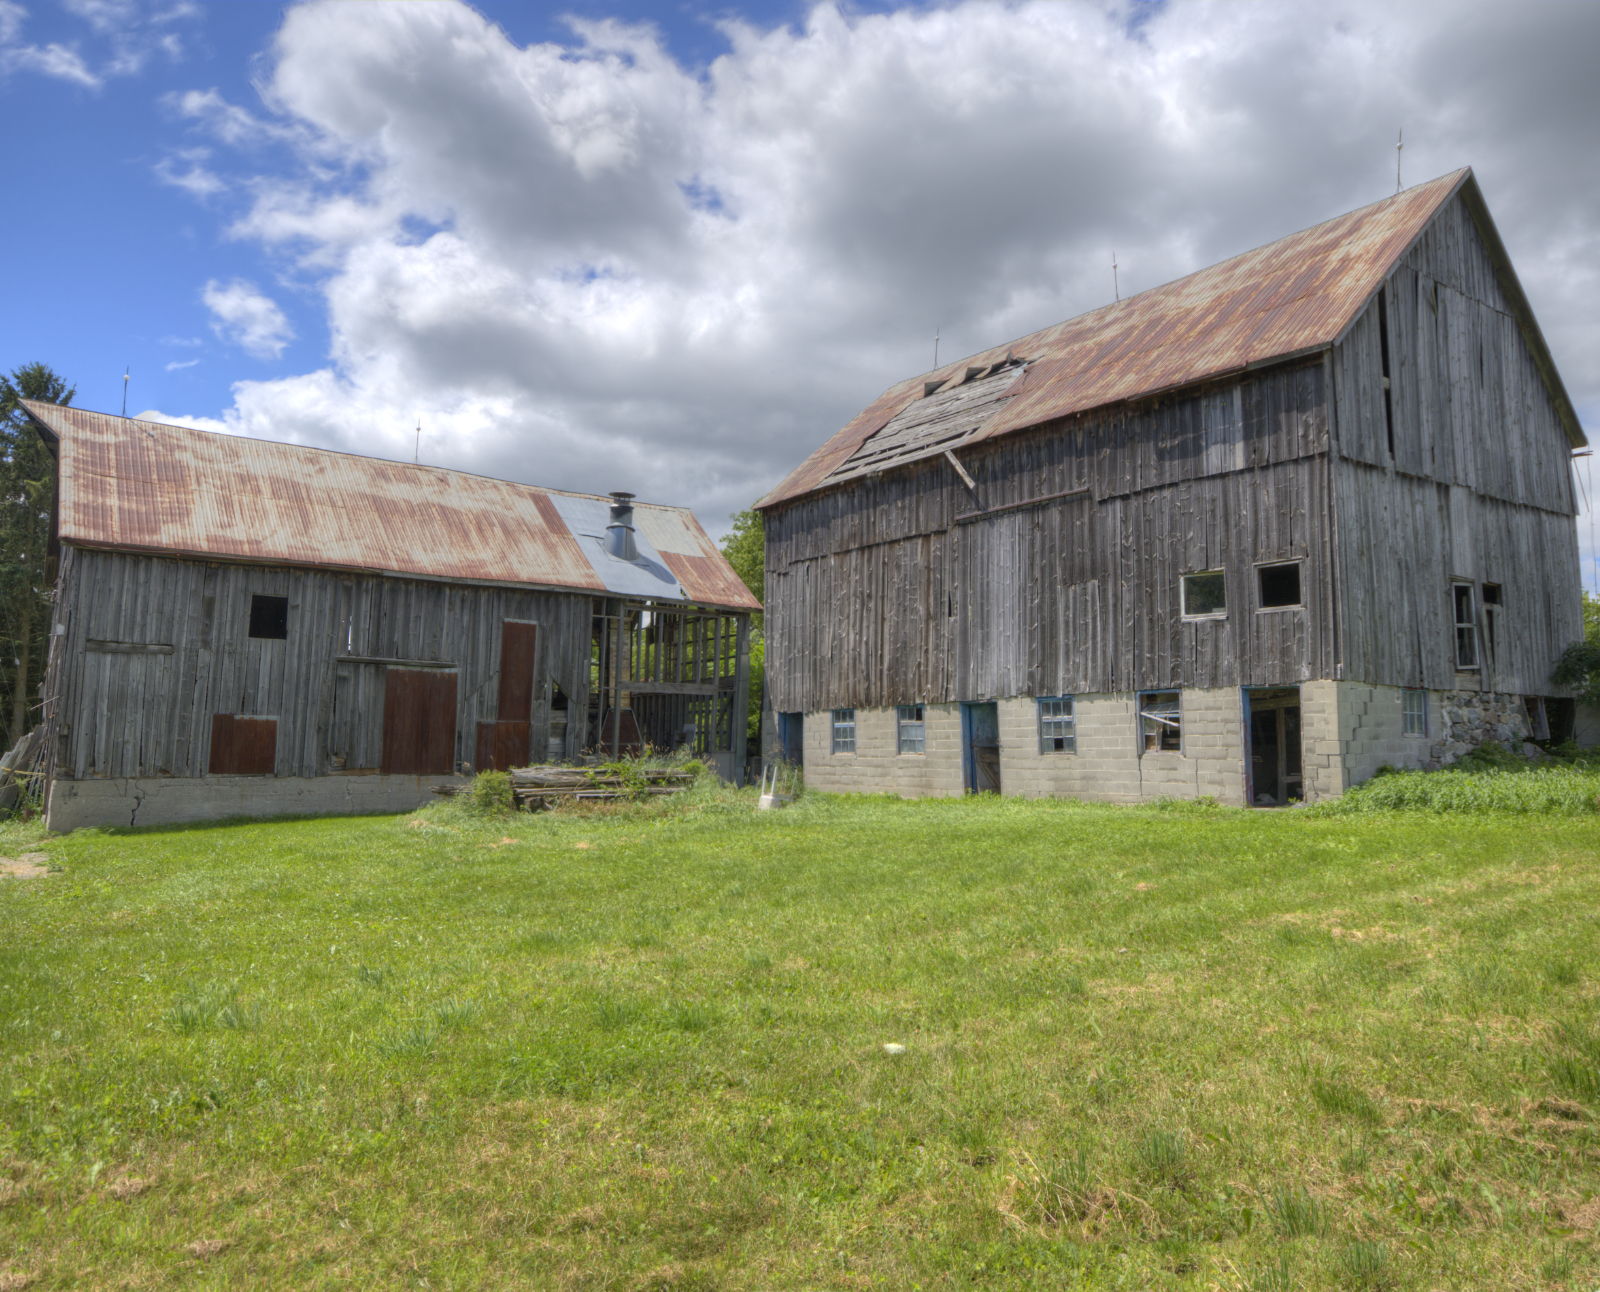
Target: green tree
x=27, y=492
x=1579, y=665
x=746, y=550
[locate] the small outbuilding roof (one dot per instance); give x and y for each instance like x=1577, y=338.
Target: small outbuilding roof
x=138, y=486
x=1292, y=297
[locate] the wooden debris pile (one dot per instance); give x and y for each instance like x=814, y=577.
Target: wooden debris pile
x=537, y=788
x=21, y=769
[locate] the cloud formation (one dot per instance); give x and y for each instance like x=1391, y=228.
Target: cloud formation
x=242, y=315
x=586, y=265
x=129, y=32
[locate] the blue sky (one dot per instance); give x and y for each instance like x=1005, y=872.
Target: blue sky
x=673, y=247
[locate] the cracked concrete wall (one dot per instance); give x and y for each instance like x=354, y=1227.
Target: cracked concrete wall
x=164, y=800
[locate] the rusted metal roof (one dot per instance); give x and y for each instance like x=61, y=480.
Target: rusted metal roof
x=147, y=487
x=1293, y=296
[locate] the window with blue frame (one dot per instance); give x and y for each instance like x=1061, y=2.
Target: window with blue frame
x=913, y=729
x=844, y=731
x=1058, y=733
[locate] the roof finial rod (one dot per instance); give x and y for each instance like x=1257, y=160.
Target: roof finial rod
x=936, y=347
x=416, y=453
x=1115, y=285
x=125, y=373
x=1400, y=143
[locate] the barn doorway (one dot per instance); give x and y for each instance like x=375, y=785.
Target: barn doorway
x=980, y=739
x=792, y=737
x=1272, y=718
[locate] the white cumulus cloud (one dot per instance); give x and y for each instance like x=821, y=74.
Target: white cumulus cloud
x=242, y=315
x=588, y=265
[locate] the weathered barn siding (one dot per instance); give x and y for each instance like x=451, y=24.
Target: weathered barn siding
x=1479, y=487
x=155, y=646
x=894, y=590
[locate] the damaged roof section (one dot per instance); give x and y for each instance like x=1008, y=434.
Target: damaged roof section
x=139, y=486
x=946, y=417
x=1291, y=297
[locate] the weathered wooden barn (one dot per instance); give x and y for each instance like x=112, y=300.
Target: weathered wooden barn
x=1251, y=534
x=247, y=627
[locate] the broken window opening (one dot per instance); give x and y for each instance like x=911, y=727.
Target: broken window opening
x=1204, y=595
x=269, y=617
x=1058, y=732
x=1160, y=722
x=1383, y=354
x=913, y=729
x=1279, y=585
x=1538, y=721
x=1466, y=626
x=844, y=731
x=1414, y=706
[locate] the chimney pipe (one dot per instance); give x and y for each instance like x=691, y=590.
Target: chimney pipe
x=619, y=529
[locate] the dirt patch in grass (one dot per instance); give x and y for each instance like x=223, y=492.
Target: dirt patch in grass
x=30, y=865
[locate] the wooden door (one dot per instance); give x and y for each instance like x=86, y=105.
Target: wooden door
x=504, y=744
x=419, y=721
x=243, y=746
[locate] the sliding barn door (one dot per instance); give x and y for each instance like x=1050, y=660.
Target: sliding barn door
x=419, y=721
x=503, y=744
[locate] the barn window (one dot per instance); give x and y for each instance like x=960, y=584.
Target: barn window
x=844, y=731
x=1160, y=722
x=1204, y=596
x=1538, y=721
x=1279, y=585
x=1058, y=732
x=1415, y=705
x=1466, y=626
x=269, y=617
x=913, y=731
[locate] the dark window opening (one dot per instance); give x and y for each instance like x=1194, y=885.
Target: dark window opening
x=1466, y=626
x=1383, y=351
x=269, y=617
x=1538, y=722
x=1561, y=715
x=1280, y=585
x=1204, y=594
x=1491, y=594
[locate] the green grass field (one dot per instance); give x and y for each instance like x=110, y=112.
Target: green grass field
x=1178, y=1047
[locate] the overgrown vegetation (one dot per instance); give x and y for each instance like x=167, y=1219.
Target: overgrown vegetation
x=646, y=1045
x=1489, y=779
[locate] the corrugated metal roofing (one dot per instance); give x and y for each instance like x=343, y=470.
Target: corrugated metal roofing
x=1292, y=296
x=148, y=487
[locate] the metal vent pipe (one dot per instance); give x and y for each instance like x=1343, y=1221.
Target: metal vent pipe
x=619, y=529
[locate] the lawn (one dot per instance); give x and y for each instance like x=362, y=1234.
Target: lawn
x=1176, y=1047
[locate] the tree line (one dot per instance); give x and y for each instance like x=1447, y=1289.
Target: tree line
x=27, y=494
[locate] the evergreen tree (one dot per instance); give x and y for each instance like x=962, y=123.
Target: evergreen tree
x=27, y=492
x=746, y=550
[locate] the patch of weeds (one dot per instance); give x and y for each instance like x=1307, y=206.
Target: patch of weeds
x=451, y=1013
x=1558, y=1263
x=1562, y=973
x=213, y=1004
x=1070, y=984
x=1573, y=1062
x=412, y=1042
x=1363, y=1264
x=1162, y=1155
x=757, y=962
x=491, y=794
x=373, y=977
x=1295, y=1213
x=1357, y=1155
x=692, y=1016
x=1278, y=1277
x=615, y=1015
x=1343, y=1100
x=1052, y=1193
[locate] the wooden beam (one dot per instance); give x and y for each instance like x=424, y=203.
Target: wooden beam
x=972, y=485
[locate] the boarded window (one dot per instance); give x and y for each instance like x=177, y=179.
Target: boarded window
x=419, y=721
x=1466, y=625
x=844, y=731
x=269, y=617
x=913, y=730
x=1058, y=732
x=243, y=746
x=1415, y=705
x=1204, y=595
x=516, y=671
x=1280, y=585
x=1160, y=722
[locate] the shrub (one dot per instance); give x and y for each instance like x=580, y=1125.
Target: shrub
x=1547, y=790
x=491, y=793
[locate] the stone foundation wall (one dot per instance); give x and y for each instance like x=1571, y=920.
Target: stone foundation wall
x=1468, y=719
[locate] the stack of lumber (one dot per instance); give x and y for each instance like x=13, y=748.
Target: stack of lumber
x=541, y=787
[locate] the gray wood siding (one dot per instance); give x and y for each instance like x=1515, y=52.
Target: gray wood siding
x=1402, y=541
x=147, y=713
x=877, y=594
